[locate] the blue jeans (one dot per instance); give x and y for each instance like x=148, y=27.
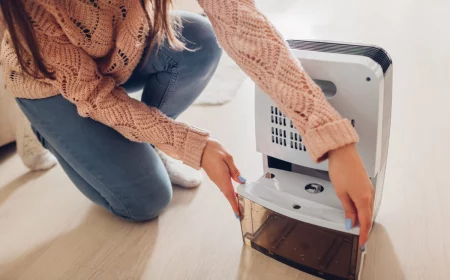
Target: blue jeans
x=128, y=178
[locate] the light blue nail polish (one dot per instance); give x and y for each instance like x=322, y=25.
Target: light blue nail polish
x=237, y=216
x=242, y=179
x=348, y=224
x=363, y=248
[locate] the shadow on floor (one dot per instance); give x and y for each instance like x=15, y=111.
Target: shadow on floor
x=182, y=196
x=381, y=259
x=6, y=152
x=100, y=245
x=8, y=189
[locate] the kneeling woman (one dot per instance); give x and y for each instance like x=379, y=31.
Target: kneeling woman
x=71, y=63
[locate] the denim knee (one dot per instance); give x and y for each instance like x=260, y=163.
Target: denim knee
x=145, y=207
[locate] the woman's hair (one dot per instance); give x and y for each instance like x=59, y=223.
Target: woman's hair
x=163, y=28
x=19, y=26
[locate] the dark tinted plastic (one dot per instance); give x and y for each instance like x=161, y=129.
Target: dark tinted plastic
x=316, y=250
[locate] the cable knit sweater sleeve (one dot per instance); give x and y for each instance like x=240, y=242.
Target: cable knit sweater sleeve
x=97, y=96
x=259, y=49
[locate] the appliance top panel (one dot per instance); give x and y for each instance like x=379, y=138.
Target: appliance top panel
x=377, y=54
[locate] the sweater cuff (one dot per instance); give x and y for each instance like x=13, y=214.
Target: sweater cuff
x=329, y=137
x=194, y=146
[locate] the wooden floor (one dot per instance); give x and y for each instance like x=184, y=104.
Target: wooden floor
x=48, y=230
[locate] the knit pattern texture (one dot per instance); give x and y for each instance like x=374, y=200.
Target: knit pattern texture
x=93, y=46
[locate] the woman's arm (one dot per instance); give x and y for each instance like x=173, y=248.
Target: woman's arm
x=259, y=49
x=97, y=96
x=249, y=38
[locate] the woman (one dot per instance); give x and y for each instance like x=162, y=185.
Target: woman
x=69, y=63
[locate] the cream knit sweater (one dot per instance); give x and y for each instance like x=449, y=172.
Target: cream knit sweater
x=94, y=45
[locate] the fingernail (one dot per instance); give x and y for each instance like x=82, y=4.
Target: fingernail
x=363, y=247
x=237, y=216
x=242, y=179
x=348, y=224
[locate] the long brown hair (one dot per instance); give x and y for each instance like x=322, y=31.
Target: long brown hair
x=163, y=28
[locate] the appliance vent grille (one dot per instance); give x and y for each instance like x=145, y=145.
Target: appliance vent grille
x=284, y=133
x=378, y=55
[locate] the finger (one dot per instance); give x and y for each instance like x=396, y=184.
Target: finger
x=232, y=199
x=350, y=210
x=234, y=171
x=365, y=223
x=364, y=206
x=227, y=189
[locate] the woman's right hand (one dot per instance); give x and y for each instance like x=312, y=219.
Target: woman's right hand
x=220, y=167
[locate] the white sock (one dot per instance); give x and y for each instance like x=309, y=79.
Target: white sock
x=33, y=155
x=42, y=161
x=179, y=173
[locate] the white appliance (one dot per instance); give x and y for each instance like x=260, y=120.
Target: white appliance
x=292, y=213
